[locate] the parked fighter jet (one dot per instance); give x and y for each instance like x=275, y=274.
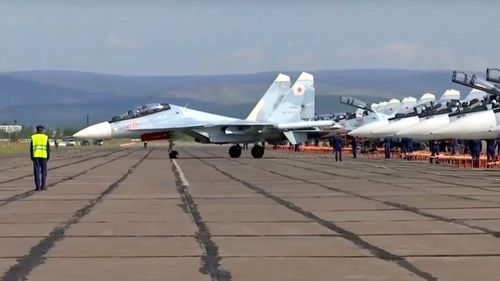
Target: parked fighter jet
x=368, y=129
x=480, y=119
x=411, y=117
x=436, y=116
x=275, y=117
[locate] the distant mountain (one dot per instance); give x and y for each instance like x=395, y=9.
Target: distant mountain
x=63, y=98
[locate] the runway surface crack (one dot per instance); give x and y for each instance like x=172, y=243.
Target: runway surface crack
x=36, y=255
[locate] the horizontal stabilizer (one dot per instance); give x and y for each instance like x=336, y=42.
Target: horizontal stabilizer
x=295, y=138
x=305, y=124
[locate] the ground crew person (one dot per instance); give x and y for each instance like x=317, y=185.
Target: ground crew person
x=490, y=149
x=354, y=144
x=336, y=144
x=475, y=151
x=404, y=147
x=387, y=147
x=437, y=148
x=40, y=154
x=454, y=147
x=434, y=147
x=409, y=147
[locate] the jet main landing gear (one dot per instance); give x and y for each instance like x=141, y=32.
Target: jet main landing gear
x=257, y=151
x=235, y=151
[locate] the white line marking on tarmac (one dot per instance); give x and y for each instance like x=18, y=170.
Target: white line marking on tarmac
x=181, y=174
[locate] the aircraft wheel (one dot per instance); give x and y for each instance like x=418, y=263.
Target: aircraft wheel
x=173, y=154
x=257, y=151
x=235, y=151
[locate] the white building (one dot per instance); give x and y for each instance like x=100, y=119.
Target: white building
x=11, y=128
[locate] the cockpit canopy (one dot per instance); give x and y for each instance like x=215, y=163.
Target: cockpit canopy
x=355, y=102
x=142, y=111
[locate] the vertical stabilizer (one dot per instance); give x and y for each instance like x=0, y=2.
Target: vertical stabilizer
x=450, y=94
x=407, y=105
x=426, y=98
x=271, y=99
x=291, y=107
x=309, y=106
x=392, y=106
x=475, y=94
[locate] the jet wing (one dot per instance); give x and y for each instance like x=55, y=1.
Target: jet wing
x=232, y=126
x=189, y=125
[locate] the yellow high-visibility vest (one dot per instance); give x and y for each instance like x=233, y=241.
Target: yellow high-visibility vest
x=39, y=142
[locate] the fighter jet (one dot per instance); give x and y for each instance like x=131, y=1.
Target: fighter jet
x=437, y=116
x=480, y=119
x=384, y=119
x=493, y=75
x=403, y=121
x=275, y=117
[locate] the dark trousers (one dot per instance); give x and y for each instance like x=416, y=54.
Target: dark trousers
x=387, y=152
x=40, y=172
x=338, y=154
x=490, y=149
x=475, y=158
x=490, y=154
x=354, y=151
x=434, y=152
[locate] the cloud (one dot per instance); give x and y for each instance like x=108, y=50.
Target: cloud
x=241, y=60
x=410, y=55
x=116, y=42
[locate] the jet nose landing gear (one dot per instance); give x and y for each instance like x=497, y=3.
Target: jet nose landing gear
x=235, y=151
x=257, y=151
x=173, y=154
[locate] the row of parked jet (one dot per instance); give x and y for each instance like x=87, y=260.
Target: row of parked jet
x=286, y=112
x=477, y=116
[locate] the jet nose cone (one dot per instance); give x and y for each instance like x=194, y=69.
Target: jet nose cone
x=366, y=130
x=97, y=131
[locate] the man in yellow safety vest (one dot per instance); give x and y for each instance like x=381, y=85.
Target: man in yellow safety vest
x=40, y=154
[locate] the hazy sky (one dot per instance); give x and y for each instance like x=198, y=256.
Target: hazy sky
x=146, y=37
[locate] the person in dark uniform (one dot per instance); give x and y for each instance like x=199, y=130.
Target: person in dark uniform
x=434, y=148
x=475, y=151
x=409, y=143
x=431, y=148
x=498, y=146
x=454, y=146
x=338, y=147
x=354, y=144
x=437, y=148
x=490, y=149
x=336, y=144
x=145, y=145
x=404, y=148
x=40, y=154
x=387, y=147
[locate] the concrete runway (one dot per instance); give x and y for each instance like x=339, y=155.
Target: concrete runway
x=133, y=214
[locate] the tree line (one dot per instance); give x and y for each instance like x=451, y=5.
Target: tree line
x=27, y=131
